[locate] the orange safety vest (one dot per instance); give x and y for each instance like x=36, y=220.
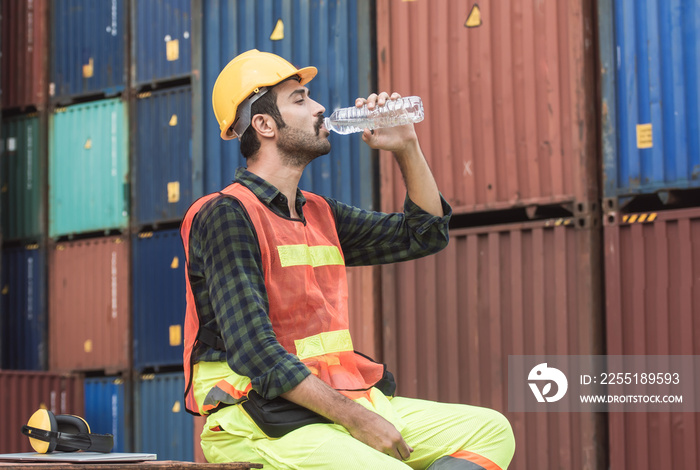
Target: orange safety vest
x=306, y=285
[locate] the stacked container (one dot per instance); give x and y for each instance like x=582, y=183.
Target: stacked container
x=88, y=49
x=106, y=402
x=509, y=133
x=24, y=392
x=23, y=322
x=650, y=86
x=165, y=180
x=25, y=47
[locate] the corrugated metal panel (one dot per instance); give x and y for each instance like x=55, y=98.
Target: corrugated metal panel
x=24, y=309
x=198, y=423
x=657, y=96
x=24, y=53
x=88, y=168
x=106, y=409
x=510, y=104
x=159, y=298
x=163, y=155
x=163, y=426
x=22, y=172
x=89, y=305
x=652, y=277
x=451, y=321
x=88, y=48
x=161, y=40
x=335, y=37
x=364, y=304
x=25, y=392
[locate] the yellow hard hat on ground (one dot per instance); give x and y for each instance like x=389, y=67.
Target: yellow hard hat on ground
x=243, y=81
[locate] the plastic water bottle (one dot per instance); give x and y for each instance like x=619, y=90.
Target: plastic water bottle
x=393, y=113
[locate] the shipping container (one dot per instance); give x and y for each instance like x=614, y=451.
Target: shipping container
x=335, y=37
x=25, y=392
x=158, y=299
x=650, y=85
x=451, y=321
x=89, y=312
x=652, y=292
x=88, y=49
x=162, y=426
x=509, y=97
x=88, y=168
x=106, y=409
x=25, y=54
x=161, y=47
x=199, y=422
x=364, y=307
x=163, y=155
x=23, y=327
x=22, y=178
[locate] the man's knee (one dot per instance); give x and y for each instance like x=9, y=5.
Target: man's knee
x=502, y=437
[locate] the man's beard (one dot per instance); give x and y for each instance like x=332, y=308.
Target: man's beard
x=299, y=148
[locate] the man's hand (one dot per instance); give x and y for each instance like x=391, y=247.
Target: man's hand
x=396, y=139
x=362, y=424
x=379, y=434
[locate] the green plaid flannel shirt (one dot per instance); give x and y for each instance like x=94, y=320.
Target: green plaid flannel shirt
x=226, y=275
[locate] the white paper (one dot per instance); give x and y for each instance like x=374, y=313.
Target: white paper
x=77, y=457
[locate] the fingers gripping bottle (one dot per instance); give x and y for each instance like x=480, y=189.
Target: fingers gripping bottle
x=393, y=113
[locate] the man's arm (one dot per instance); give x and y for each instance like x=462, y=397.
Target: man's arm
x=403, y=142
x=363, y=424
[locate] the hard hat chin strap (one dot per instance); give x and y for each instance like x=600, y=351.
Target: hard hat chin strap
x=243, y=116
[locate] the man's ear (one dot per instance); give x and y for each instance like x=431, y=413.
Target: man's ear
x=264, y=125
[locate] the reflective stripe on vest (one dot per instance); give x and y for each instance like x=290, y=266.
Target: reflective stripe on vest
x=305, y=276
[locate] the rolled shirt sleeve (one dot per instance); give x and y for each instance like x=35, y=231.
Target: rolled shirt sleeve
x=370, y=238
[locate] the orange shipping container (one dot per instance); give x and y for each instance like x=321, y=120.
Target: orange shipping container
x=509, y=96
x=652, y=295
x=451, y=321
x=23, y=392
x=24, y=53
x=89, y=305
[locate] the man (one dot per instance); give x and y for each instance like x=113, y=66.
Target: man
x=268, y=355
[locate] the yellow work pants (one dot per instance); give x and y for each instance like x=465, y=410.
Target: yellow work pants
x=433, y=429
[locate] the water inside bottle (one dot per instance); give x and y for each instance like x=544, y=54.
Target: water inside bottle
x=393, y=113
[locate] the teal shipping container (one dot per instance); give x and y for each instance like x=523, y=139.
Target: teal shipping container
x=650, y=86
x=334, y=36
x=162, y=426
x=22, y=174
x=23, y=333
x=88, y=168
x=162, y=155
x=106, y=402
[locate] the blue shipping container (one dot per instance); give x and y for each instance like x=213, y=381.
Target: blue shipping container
x=159, y=298
x=161, y=45
x=651, y=134
x=105, y=409
x=23, y=325
x=88, y=48
x=163, y=155
x=335, y=37
x=163, y=427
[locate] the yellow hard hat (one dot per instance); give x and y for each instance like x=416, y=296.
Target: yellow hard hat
x=243, y=81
